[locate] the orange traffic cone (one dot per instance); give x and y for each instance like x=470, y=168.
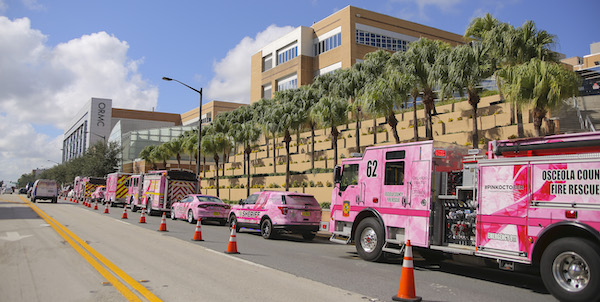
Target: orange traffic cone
x=124, y=213
x=232, y=246
x=163, y=223
x=198, y=232
x=76, y=200
x=106, y=209
x=142, y=218
x=406, y=290
x=96, y=206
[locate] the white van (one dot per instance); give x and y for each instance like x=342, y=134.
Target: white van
x=44, y=189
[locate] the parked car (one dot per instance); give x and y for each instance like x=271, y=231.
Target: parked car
x=23, y=190
x=98, y=194
x=278, y=212
x=200, y=207
x=44, y=189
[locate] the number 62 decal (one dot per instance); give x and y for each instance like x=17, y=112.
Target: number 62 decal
x=372, y=168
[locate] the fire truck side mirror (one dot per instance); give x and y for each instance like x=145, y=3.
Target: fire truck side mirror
x=337, y=174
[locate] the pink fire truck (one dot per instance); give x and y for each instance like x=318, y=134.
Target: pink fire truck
x=83, y=187
x=162, y=188
x=533, y=202
x=135, y=192
x=116, y=188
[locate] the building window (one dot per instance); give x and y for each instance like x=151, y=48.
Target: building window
x=290, y=82
x=328, y=44
x=267, y=62
x=287, y=54
x=380, y=41
x=266, y=92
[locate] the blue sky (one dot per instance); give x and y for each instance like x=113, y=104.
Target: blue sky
x=56, y=55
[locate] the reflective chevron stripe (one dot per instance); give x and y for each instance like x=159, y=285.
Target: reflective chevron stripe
x=179, y=189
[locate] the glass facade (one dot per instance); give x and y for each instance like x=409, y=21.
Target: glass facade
x=328, y=44
x=133, y=142
x=380, y=41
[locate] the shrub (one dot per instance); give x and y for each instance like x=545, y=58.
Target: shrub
x=325, y=205
x=329, y=184
x=450, y=120
x=311, y=183
x=459, y=118
x=319, y=184
x=273, y=185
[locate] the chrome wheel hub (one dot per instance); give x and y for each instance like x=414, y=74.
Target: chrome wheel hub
x=571, y=272
x=368, y=240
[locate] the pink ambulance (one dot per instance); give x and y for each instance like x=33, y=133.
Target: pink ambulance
x=533, y=202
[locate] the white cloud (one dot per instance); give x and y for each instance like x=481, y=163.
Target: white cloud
x=43, y=86
x=232, y=73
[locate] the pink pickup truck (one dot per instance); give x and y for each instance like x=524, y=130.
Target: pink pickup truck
x=278, y=212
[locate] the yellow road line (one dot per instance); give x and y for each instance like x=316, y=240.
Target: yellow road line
x=117, y=271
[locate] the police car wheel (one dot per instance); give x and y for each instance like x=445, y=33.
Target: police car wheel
x=172, y=214
x=569, y=269
x=369, y=239
x=232, y=221
x=266, y=229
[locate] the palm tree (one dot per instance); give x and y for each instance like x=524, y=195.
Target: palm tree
x=469, y=64
x=424, y=57
x=175, y=147
x=331, y=112
x=260, y=112
x=309, y=97
x=161, y=153
x=190, y=145
x=542, y=84
x=214, y=143
x=390, y=91
x=146, y=155
x=246, y=134
x=369, y=71
x=348, y=86
x=289, y=118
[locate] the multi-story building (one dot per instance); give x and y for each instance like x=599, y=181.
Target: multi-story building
x=588, y=69
x=338, y=41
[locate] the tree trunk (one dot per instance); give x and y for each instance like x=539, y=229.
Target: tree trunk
x=274, y=157
x=298, y=141
x=248, y=151
x=393, y=122
x=374, y=130
x=312, y=149
x=267, y=143
x=287, y=139
x=520, y=130
x=178, y=161
x=538, y=118
x=415, y=121
x=474, y=101
x=204, y=165
x=357, y=132
x=334, y=134
x=217, y=174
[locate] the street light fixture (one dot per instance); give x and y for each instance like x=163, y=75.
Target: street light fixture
x=199, y=122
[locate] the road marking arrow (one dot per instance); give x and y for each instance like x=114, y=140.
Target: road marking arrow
x=14, y=236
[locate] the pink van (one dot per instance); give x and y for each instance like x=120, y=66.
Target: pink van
x=278, y=212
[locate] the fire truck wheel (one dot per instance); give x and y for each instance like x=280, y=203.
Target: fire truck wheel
x=266, y=229
x=133, y=207
x=190, y=217
x=369, y=239
x=569, y=268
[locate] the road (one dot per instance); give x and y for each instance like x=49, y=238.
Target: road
x=174, y=268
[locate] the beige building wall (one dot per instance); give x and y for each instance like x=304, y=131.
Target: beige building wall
x=346, y=21
x=209, y=111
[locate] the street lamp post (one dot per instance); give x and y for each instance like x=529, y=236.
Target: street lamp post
x=199, y=123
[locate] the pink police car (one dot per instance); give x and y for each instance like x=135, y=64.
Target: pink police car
x=200, y=207
x=278, y=212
